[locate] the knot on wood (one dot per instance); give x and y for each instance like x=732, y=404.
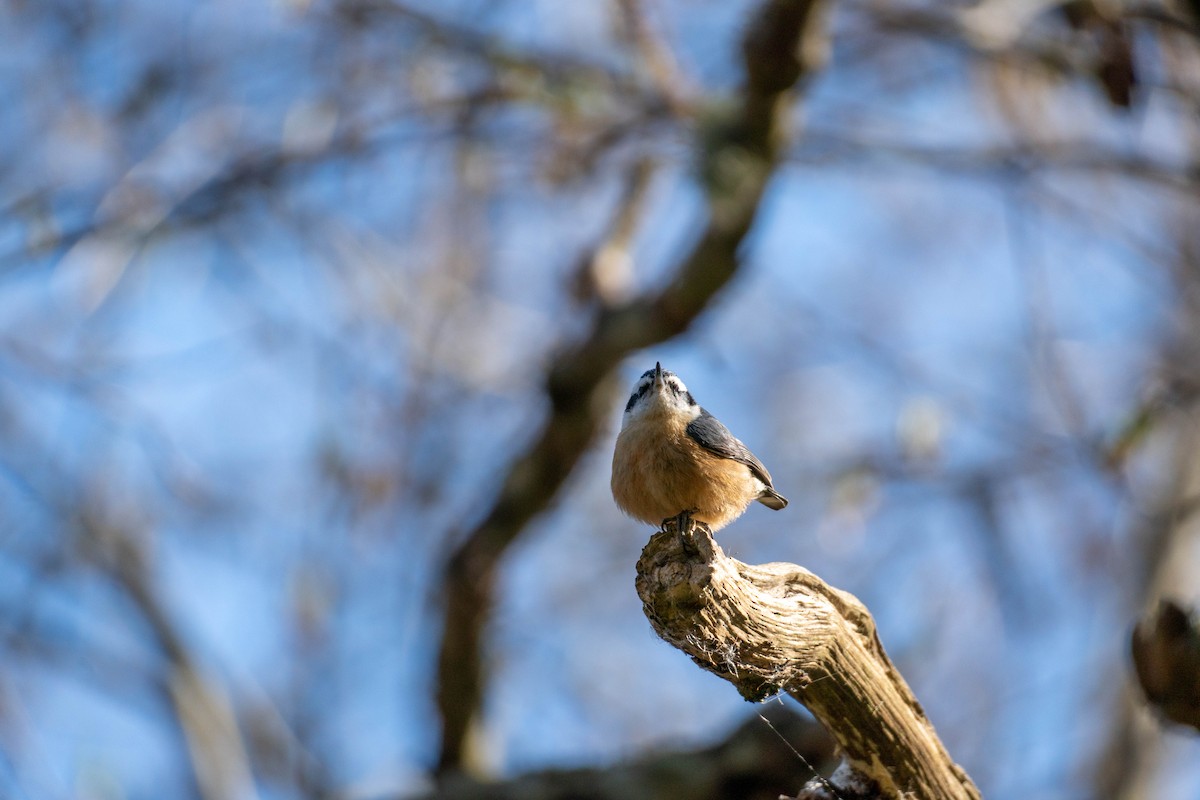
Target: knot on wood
x=678, y=573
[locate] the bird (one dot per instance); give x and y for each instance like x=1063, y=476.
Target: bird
x=674, y=460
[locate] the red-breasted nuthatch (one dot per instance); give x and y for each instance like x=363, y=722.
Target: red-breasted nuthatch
x=673, y=458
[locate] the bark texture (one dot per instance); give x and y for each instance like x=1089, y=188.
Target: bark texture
x=777, y=627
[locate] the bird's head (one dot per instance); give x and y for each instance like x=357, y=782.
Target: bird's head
x=660, y=392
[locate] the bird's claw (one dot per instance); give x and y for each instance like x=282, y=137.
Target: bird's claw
x=682, y=523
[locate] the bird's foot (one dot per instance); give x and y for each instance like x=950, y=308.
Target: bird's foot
x=682, y=523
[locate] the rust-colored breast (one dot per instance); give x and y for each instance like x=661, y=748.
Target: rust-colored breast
x=659, y=471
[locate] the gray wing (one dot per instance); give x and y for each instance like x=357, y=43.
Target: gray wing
x=708, y=432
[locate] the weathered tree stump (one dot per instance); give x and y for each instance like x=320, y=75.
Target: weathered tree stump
x=777, y=627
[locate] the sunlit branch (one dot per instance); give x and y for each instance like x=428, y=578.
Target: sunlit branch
x=774, y=628
x=658, y=61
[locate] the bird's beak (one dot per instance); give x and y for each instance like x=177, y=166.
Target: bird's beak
x=658, y=378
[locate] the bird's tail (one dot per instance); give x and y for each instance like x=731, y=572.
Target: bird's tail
x=772, y=499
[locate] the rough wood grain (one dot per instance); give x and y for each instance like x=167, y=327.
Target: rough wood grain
x=777, y=627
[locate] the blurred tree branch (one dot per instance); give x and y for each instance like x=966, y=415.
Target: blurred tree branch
x=779, y=750
x=605, y=271
x=1163, y=649
x=205, y=714
x=1023, y=158
x=656, y=57
x=741, y=153
x=1166, y=655
x=562, y=67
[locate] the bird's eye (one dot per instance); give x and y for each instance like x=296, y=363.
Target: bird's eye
x=638, y=395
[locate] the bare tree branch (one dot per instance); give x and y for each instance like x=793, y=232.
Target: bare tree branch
x=740, y=156
x=220, y=761
x=655, y=56
x=779, y=750
x=1166, y=654
x=1084, y=157
x=778, y=627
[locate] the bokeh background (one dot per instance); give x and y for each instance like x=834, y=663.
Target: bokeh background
x=281, y=284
